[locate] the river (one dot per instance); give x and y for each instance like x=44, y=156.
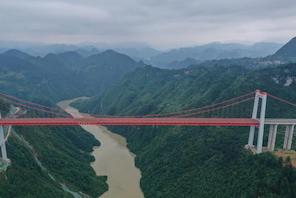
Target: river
x=112, y=159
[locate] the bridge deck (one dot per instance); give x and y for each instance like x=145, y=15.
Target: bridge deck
x=280, y=121
x=130, y=121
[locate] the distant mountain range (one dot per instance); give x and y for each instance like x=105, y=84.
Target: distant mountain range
x=175, y=58
x=73, y=73
x=63, y=75
x=36, y=49
x=284, y=55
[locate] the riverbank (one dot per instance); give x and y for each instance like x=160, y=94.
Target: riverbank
x=112, y=159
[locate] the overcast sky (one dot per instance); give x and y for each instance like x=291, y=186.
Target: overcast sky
x=159, y=23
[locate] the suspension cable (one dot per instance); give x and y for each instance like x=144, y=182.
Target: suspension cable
x=282, y=100
x=37, y=109
x=200, y=108
x=217, y=108
x=194, y=111
x=13, y=98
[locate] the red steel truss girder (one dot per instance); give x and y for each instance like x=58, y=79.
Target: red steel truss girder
x=129, y=121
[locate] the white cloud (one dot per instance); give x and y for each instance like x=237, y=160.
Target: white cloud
x=161, y=23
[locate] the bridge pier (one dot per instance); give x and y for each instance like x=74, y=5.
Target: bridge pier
x=288, y=137
x=272, y=137
x=2, y=144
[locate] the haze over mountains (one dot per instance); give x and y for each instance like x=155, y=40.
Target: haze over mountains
x=285, y=54
x=213, y=51
x=174, y=58
x=94, y=71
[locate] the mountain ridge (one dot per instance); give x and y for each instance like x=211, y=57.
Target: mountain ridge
x=213, y=51
x=56, y=73
x=288, y=51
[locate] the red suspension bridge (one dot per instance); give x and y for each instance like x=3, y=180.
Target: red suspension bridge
x=225, y=113
x=123, y=121
x=203, y=116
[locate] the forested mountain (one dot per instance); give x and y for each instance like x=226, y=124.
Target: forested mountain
x=60, y=76
x=288, y=51
x=174, y=161
x=184, y=63
x=200, y=161
x=53, y=161
x=139, y=53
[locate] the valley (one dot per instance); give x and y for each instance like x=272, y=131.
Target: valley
x=43, y=158
x=112, y=158
x=149, y=161
x=169, y=155
x=147, y=99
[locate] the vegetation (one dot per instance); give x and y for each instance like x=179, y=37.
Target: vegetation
x=200, y=161
x=61, y=76
x=42, y=158
x=287, y=52
x=205, y=162
x=175, y=161
x=45, y=157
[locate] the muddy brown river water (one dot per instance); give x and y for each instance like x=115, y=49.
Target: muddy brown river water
x=112, y=159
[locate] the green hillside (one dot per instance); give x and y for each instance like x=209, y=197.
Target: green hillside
x=287, y=52
x=39, y=154
x=61, y=76
x=200, y=161
x=43, y=158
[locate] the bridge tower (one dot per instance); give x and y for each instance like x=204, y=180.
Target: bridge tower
x=2, y=144
x=259, y=97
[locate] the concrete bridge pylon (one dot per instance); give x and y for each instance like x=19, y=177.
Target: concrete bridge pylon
x=260, y=97
x=2, y=144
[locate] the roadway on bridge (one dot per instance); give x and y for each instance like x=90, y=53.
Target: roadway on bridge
x=123, y=121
